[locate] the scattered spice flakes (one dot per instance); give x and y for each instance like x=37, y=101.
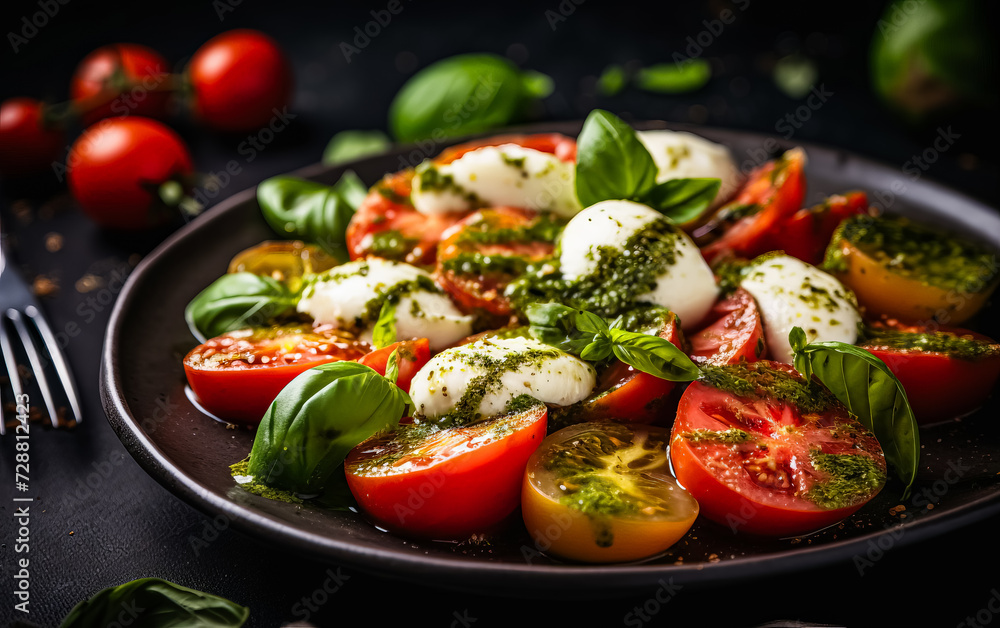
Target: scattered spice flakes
x=22, y=212
x=53, y=242
x=71, y=532
x=230, y=426
x=44, y=286
x=88, y=283
x=895, y=510
x=713, y=558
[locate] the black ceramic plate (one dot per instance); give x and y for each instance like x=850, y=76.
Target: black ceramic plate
x=142, y=382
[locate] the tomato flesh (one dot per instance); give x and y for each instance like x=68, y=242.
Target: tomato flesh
x=759, y=463
x=807, y=232
x=772, y=193
x=939, y=384
x=411, y=356
x=602, y=492
x=445, y=483
x=237, y=375
x=478, y=286
x=735, y=333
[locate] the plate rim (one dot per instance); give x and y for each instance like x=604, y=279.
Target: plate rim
x=507, y=577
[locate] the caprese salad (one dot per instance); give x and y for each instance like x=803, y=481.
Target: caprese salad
x=613, y=335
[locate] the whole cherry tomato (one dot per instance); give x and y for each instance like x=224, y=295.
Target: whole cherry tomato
x=27, y=144
x=240, y=78
x=117, y=166
x=121, y=80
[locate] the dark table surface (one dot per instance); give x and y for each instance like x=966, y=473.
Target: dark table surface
x=103, y=521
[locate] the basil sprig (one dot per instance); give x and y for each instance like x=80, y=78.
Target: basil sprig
x=156, y=603
x=864, y=384
x=593, y=339
x=311, y=211
x=612, y=163
x=384, y=331
x=350, y=145
x=317, y=419
x=461, y=95
x=237, y=301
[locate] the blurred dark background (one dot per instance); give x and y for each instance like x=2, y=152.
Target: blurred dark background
x=133, y=527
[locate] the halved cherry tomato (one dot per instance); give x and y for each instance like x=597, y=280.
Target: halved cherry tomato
x=624, y=393
x=411, y=357
x=445, y=482
x=734, y=332
x=116, y=168
x=772, y=193
x=899, y=269
x=807, y=233
x=559, y=145
x=121, y=80
x=284, y=260
x=241, y=80
x=480, y=255
x=27, y=143
x=947, y=372
x=602, y=492
x=386, y=224
x=760, y=463
x=237, y=375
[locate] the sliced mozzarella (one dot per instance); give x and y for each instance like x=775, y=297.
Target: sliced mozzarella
x=495, y=371
x=346, y=295
x=686, y=287
x=680, y=155
x=791, y=293
x=493, y=176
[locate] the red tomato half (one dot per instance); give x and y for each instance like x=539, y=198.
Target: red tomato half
x=624, y=393
x=734, y=333
x=386, y=224
x=474, y=270
x=121, y=80
x=445, y=483
x=117, y=166
x=760, y=464
x=947, y=372
x=808, y=232
x=559, y=145
x=411, y=357
x=237, y=375
x=27, y=145
x=241, y=81
x=771, y=194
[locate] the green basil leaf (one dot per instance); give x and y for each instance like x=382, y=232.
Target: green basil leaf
x=598, y=349
x=350, y=145
x=683, y=200
x=654, y=355
x=460, y=95
x=674, y=78
x=237, y=301
x=612, y=80
x=590, y=323
x=392, y=366
x=311, y=211
x=156, y=603
x=317, y=419
x=555, y=324
x=864, y=384
x=384, y=332
x=611, y=161
x=536, y=85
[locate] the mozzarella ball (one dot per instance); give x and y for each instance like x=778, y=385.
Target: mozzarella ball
x=791, y=293
x=494, y=176
x=680, y=155
x=350, y=296
x=484, y=376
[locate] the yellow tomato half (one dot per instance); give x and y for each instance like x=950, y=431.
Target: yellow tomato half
x=602, y=492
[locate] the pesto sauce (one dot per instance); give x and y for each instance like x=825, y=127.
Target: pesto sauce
x=920, y=252
x=259, y=488
x=545, y=228
x=853, y=479
x=758, y=380
x=612, y=290
x=964, y=347
x=433, y=180
x=475, y=263
x=732, y=436
x=393, y=294
x=391, y=244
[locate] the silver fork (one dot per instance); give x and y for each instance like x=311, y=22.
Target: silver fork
x=20, y=309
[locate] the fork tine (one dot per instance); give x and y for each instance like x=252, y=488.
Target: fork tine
x=10, y=361
x=36, y=363
x=58, y=360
